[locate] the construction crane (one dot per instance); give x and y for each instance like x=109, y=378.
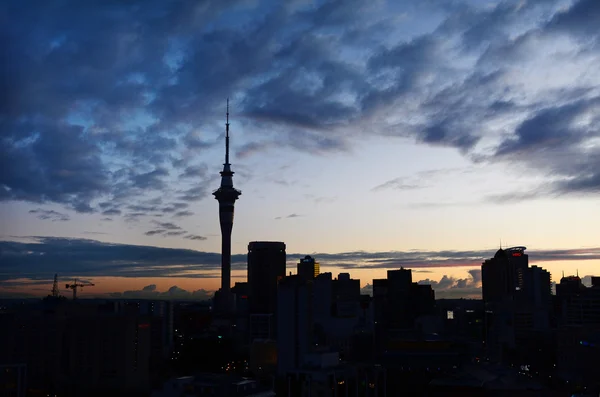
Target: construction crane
x=77, y=285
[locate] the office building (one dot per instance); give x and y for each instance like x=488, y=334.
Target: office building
x=336, y=311
x=266, y=267
x=294, y=323
x=398, y=302
x=518, y=307
x=503, y=275
x=308, y=268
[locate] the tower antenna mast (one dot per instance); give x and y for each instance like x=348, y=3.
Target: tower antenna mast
x=227, y=135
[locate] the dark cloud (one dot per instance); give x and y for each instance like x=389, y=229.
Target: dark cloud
x=84, y=258
x=99, y=101
x=174, y=207
x=195, y=237
x=50, y=214
x=195, y=171
x=112, y=211
x=427, y=259
x=89, y=258
x=167, y=225
x=194, y=194
x=155, y=232
x=290, y=216
x=184, y=213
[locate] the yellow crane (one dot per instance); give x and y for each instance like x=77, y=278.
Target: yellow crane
x=77, y=285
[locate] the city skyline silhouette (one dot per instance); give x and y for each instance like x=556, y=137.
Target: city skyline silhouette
x=371, y=137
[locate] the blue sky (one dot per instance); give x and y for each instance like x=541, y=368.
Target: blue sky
x=415, y=131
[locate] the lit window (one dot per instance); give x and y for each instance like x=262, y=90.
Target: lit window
x=450, y=315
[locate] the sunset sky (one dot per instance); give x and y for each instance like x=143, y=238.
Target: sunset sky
x=369, y=134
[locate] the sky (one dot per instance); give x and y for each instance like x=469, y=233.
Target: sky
x=371, y=135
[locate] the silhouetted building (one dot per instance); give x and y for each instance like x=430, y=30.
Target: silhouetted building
x=226, y=194
x=579, y=331
x=503, y=275
x=336, y=311
x=399, y=302
x=308, y=268
x=79, y=349
x=294, y=323
x=266, y=266
x=518, y=307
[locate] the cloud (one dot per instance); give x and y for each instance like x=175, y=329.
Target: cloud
x=93, y=111
x=290, y=216
x=195, y=171
x=184, y=213
x=173, y=293
x=451, y=287
x=50, y=214
x=82, y=258
x=397, y=184
x=195, y=237
x=112, y=211
x=367, y=290
x=167, y=225
x=194, y=194
x=42, y=257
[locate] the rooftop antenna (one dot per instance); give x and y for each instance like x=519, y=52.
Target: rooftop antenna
x=563, y=274
x=500, y=243
x=227, y=135
x=577, y=272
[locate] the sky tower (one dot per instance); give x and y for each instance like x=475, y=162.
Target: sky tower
x=226, y=194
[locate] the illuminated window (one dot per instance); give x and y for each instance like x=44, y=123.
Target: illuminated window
x=450, y=315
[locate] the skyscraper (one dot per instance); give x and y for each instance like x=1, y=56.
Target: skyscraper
x=266, y=266
x=503, y=275
x=308, y=268
x=226, y=194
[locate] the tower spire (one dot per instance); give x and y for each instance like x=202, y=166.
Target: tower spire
x=227, y=135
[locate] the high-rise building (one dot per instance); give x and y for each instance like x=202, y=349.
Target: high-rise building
x=398, y=302
x=226, y=194
x=517, y=300
x=503, y=275
x=308, y=268
x=294, y=323
x=266, y=267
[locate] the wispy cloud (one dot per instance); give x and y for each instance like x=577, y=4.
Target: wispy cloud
x=290, y=216
x=397, y=184
x=50, y=215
